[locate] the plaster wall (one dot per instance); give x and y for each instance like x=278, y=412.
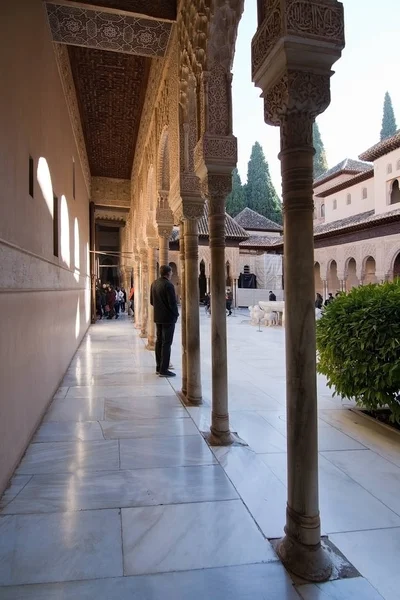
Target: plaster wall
x=44, y=299
x=356, y=203
x=383, y=179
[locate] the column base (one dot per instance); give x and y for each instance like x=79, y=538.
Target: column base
x=311, y=563
x=225, y=438
x=142, y=335
x=150, y=346
x=190, y=401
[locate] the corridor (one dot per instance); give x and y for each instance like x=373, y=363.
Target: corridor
x=118, y=495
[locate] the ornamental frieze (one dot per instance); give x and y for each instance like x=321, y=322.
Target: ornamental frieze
x=320, y=19
x=108, y=30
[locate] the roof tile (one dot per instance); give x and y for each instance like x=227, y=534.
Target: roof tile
x=250, y=219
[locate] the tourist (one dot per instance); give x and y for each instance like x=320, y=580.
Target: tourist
x=163, y=300
x=132, y=300
x=228, y=301
x=207, y=303
x=319, y=301
x=329, y=299
x=111, y=297
x=272, y=297
x=121, y=301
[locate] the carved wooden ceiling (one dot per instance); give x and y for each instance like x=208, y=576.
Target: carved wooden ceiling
x=110, y=88
x=160, y=9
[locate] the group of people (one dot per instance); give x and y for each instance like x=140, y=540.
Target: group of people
x=110, y=301
x=319, y=301
x=228, y=302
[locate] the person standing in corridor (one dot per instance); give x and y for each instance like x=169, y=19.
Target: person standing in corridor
x=163, y=300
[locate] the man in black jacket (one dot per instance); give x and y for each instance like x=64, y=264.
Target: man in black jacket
x=163, y=300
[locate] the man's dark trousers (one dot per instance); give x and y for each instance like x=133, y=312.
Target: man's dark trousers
x=165, y=335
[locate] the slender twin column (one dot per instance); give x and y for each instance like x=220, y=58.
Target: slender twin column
x=183, y=308
x=220, y=433
x=193, y=363
x=152, y=263
x=301, y=547
x=136, y=285
x=144, y=268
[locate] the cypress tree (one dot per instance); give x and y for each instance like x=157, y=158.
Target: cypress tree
x=235, y=202
x=261, y=195
x=320, y=162
x=389, y=126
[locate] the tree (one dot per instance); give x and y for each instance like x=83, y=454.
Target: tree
x=320, y=162
x=389, y=126
x=260, y=193
x=236, y=201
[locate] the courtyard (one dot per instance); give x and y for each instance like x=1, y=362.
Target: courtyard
x=119, y=496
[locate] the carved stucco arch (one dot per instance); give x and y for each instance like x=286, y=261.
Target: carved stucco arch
x=163, y=162
x=390, y=259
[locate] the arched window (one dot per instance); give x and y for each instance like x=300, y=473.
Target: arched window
x=389, y=168
x=364, y=193
x=395, y=193
x=322, y=210
x=348, y=199
x=335, y=204
x=246, y=269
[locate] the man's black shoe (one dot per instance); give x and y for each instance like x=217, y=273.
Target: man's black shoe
x=168, y=374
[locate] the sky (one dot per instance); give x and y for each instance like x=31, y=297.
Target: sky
x=368, y=67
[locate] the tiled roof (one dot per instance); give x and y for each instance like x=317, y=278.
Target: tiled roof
x=346, y=184
x=261, y=241
x=232, y=229
x=250, y=219
x=348, y=165
x=382, y=148
x=356, y=221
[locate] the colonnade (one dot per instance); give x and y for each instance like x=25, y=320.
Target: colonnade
x=293, y=51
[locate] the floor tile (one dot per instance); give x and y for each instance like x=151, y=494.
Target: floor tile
x=374, y=473
x=187, y=536
x=168, y=407
x=262, y=492
x=17, y=484
x=120, y=391
x=376, y=555
x=247, y=582
x=257, y=433
x=112, y=489
x=61, y=392
x=68, y=457
x=165, y=452
x=341, y=589
x=60, y=547
x=148, y=428
x=76, y=409
x=65, y=431
x=344, y=504
x=370, y=434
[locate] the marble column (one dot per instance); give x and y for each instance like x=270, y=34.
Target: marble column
x=136, y=286
x=152, y=266
x=218, y=188
x=193, y=363
x=163, y=250
x=301, y=547
x=92, y=260
x=295, y=84
x=183, y=308
x=144, y=270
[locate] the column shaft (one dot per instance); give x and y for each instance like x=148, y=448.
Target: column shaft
x=219, y=431
x=144, y=294
x=163, y=250
x=183, y=309
x=151, y=277
x=190, y=227
x=301, y=548
x=136, y=298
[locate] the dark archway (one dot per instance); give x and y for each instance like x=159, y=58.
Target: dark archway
x=396, y=267
x=395, y=193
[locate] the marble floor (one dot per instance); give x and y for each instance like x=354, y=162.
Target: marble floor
x=119, y=496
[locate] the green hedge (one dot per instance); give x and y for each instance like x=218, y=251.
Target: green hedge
x=358, y=342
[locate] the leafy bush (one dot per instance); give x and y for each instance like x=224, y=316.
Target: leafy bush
x=358, y=342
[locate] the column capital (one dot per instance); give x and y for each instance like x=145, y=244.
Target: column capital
x=293, y=51
x=216, y=187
